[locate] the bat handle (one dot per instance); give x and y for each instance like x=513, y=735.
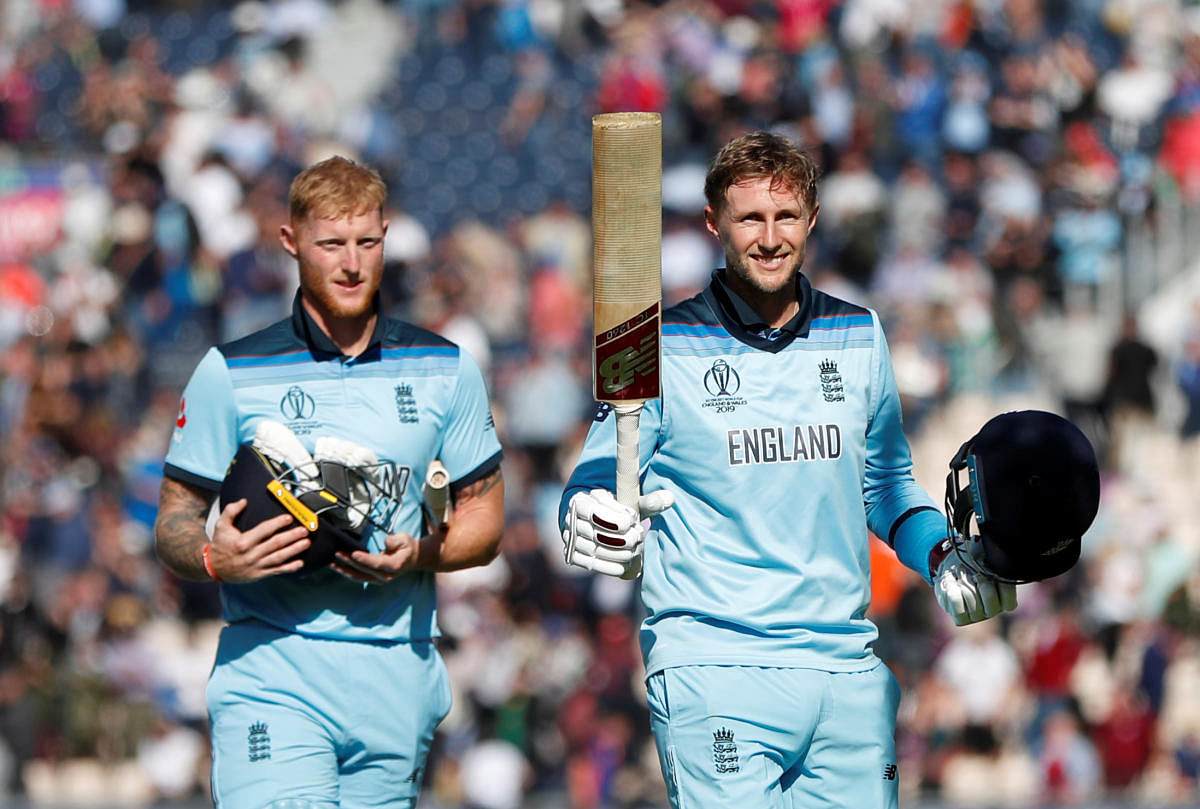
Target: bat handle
x=436, y=492
x=628, y=462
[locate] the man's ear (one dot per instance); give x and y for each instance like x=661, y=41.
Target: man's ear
x=710, y=220
x=812, y=218
x=287, y=237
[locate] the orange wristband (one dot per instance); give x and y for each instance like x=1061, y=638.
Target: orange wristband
x=208, y=565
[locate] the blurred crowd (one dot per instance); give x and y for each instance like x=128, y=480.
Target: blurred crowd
x=1009, y=182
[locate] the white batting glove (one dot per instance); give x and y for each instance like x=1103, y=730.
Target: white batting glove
x=967, y=592
x=609, y=537
x=347, y=453
x=281, y=446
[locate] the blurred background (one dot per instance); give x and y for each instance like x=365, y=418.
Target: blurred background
x=1013, y=184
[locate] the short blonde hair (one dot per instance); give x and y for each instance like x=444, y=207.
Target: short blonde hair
x=334, y=188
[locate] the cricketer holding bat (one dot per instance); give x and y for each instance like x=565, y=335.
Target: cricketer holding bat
x=777, y=443
x=327, y=685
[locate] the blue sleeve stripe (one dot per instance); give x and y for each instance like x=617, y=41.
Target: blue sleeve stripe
x=824, y=323
x=420, y=352
x=735, y=348
x=693, y=330
x=841, y=321
x=267, y=360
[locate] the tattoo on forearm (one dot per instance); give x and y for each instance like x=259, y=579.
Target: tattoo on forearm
x=477, y=489
x=179, y=528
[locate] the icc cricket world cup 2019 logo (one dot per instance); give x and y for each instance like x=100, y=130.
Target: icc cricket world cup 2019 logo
x=296, y=404
x=723, y=382
x=298, y=408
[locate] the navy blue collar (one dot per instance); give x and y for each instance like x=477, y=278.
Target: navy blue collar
x=738, y=312
x=315, y=337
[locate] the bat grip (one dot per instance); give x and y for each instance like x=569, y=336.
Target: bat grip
x=628, y=462
x=436, y=492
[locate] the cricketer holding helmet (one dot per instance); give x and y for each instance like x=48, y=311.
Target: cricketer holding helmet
x=776, y=445
x=327, y=687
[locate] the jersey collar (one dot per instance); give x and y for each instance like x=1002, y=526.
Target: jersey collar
x=749, y=326
x=317, y=340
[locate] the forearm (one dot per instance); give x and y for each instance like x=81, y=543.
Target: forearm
x=473, y=536
x=179, y=537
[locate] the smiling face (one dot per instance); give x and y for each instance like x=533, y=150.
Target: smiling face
x=763, y=226
x=340, y=260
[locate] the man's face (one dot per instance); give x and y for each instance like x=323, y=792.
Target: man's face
x=340, y=261
x=763, y=231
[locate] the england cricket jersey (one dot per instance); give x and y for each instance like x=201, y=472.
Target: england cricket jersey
x=410, y=397
x=782, y=447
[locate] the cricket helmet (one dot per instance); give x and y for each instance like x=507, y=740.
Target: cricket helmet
x=338, y=504
x=1033, y=487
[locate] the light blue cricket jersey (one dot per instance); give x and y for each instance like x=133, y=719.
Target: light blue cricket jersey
x=781, y=454
x=410, y=397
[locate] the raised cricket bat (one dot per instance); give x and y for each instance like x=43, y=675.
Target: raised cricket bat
x=627, y=276
x=436, y=492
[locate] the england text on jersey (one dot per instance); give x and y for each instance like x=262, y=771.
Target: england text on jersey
x=802, y=442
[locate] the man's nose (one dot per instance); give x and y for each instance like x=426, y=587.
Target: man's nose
x=770, y=241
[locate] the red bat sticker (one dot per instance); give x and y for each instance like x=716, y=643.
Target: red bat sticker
x=627, y=359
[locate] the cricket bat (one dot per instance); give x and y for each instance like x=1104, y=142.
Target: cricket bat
x=436, y=492
x=627, y=276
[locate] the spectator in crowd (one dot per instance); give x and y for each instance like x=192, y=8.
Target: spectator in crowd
x=1129, y=399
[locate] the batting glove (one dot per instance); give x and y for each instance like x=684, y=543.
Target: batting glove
x=280, y=445
x=967, y=591
x=357, y=457
x=609, y=537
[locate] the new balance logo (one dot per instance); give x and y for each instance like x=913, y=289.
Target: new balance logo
x=258, y=742
x=889, y=772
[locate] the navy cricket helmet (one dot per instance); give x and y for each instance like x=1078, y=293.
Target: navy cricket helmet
x=1033, y=487
x=338, y=504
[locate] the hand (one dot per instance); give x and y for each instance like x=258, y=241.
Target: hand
x=606, y=536
x=398, y=556
x=967, y=591
x=267, y=549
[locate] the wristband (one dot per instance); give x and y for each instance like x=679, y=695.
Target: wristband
x=937, y=555
x=208, y=565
